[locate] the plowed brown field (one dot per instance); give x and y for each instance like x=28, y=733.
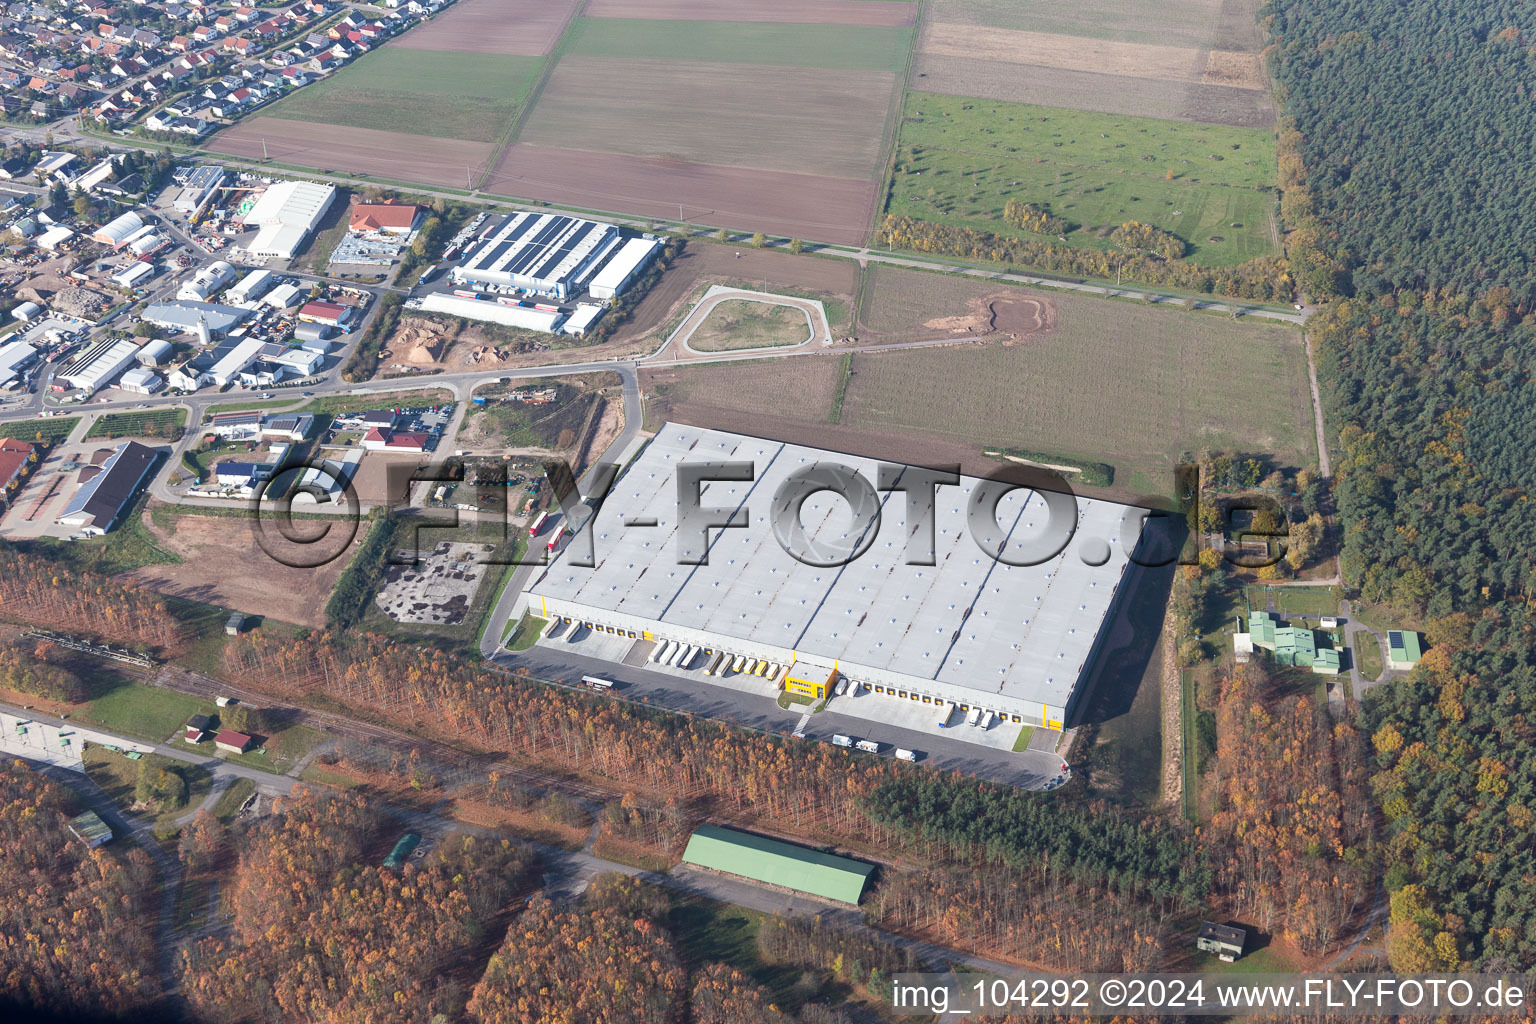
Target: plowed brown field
x=519, y=27
x=391, y=155
x=825, y=208
x=768, y=118
x=811, y=12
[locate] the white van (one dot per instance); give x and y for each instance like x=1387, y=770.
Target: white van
x=905, y=755
x=839, y=740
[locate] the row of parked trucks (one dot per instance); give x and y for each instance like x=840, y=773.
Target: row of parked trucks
x=976, y=716
x=680, y=655
x=871, y=747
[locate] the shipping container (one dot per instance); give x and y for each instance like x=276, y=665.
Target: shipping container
x=661, y=651
x=945, y=713
x=464, y=294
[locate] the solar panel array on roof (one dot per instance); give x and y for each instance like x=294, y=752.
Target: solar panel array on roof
x=538, y=252
x=969, y=627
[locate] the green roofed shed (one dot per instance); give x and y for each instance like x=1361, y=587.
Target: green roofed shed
x=777, y=863
x=1403, y=650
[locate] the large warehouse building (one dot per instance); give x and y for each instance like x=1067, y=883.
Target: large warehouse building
x=969, y=629
x=545, y=253
x=286, y=213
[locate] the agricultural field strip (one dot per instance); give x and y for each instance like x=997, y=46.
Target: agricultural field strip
x=1193, y=23
x=462, y=96
x=788, y=45
x=651, y=108
x=814, y=12
x=1075, y=53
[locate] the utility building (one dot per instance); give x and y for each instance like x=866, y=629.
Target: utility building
x=777, y=863
x=967, y=628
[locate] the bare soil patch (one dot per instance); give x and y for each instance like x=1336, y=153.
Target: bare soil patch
x=1081, y=90
x=1098, y=56
x=1234, y=70
x=223, y=564
x=802, y=390
x=902, y=305
x=422, y=344
x=394, y=155
x=518, y=27
x=810, y=12
x=385, y=479
x=658, y=108
x=830, y=209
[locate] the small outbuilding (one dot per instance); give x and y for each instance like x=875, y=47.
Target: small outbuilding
x=1403, y=649
x=90, y=829
x=1221, y=939
x=231, y=742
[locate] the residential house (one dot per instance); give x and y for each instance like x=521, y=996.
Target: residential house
x=1224, y=940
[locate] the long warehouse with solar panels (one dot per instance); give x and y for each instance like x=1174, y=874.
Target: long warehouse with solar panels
x=544, y=253
x=967, y=631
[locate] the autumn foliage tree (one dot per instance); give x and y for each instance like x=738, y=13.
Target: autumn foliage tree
x=322, y=935
x=76, y=924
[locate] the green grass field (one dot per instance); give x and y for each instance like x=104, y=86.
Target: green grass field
x=421, y=92
x=143, y=712
x=167, y=423
x=118, y=777
x=1368, y=654
x=959, y=160
x=787, y=45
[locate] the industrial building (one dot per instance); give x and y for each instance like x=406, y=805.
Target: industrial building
x=117, y=231
x=210, y=318
x=134, y=274
x=252, y=286
x=207, y=281
x=154, y=353
x=107, y=487
x=544, y=253
x=97, y=364
x=230, y=363
x=627, y=264
x=140, y=380
x=493, y=312
x=15, y=358
x=581, y=321
x=778, y=863
x=286, y=214
x=969, y=631
x=198, y=186
x=331, y=314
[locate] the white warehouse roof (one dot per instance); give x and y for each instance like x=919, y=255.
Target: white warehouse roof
x=118, y=230
x=292, y=202
x=970, y=623
x=611, y=280
x=99, y=363
x=493, y=312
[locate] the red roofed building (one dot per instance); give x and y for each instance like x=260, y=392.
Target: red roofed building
x=387, y=218
x=232, y=742
x=13, y=459
x=383, y=439
x=319, y=312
